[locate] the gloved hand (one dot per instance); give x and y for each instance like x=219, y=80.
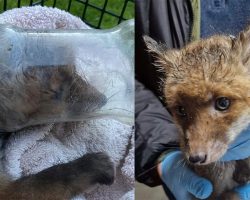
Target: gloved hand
x=240, y=148
x=181, y=180
x=243, y=191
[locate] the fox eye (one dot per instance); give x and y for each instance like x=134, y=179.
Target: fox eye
x=222, y=103
x=180, y=110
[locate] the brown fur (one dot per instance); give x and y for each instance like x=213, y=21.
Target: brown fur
x=195, y=77
x=44, y=94
x=62, y=182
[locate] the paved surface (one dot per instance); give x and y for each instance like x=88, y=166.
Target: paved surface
x=143, y=192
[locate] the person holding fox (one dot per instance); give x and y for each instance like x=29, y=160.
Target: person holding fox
x=158, y=158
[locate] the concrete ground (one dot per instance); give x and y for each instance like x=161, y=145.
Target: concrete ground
x=143, y=192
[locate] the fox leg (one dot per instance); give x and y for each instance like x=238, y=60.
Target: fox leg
x=63, y=181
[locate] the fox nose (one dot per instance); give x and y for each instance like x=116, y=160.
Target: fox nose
x=198, y=159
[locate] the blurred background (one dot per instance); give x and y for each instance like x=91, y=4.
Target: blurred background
x=144, y=192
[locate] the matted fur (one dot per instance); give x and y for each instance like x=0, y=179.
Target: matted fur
x=196, y=76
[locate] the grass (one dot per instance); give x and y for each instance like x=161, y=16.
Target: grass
x=92, y=15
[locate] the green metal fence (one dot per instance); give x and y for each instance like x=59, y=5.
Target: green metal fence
x=96, y=13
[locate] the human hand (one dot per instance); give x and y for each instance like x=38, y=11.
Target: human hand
x=240, y=148
x=243, y=191
x=181, y=180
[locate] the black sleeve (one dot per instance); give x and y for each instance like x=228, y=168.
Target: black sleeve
x=155, y=133
x=168, y=21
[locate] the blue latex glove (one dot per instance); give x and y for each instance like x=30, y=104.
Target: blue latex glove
x=240, y=148
x=181, y=180
x=244, y=192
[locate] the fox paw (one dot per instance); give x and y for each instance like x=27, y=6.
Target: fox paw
x=105, y=169
x=99, y=167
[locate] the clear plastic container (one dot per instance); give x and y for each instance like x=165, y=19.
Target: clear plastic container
x=51, y=76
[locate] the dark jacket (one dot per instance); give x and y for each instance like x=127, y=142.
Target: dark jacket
x=167, y=21
x=155, y=131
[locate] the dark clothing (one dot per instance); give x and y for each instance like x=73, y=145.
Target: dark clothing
x=170, y=22
x=167, y=21
x=155, y=133
x=224, y=16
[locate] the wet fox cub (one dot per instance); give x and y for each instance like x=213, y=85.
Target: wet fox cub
x=207, y=90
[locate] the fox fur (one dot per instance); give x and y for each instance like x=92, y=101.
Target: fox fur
x=37, y=95
x=196, y=76
x=60, y=182
x=42, y=94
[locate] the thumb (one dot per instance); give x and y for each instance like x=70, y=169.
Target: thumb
x=199, y=187
x=243, y=192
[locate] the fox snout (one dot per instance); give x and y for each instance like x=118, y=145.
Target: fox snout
x=206, y=137
x=203, y=153
x=198, y=158
x=204, y=142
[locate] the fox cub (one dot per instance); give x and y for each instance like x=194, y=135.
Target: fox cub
x=207, y=90
x=42, y=93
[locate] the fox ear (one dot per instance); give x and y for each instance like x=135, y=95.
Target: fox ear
x=153, y=47
x=165, y=59
x=241, y=47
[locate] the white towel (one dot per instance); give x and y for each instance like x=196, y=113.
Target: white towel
x=36, y=148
